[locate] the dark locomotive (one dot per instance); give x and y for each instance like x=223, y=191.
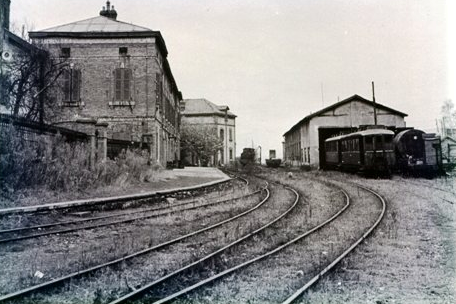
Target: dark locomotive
x=382, y=151
x=247, y=156
x=417, y=152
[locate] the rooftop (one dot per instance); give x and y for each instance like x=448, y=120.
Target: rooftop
x=99, y=24
x=340, y=103
x=202, y=106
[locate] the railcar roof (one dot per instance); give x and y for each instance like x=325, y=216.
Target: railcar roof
x=362, y=133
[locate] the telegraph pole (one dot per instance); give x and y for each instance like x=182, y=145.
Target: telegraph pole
x=375, y=108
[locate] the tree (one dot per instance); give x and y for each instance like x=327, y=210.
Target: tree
x=448, y=120
x=200, y=141
x=27, y=80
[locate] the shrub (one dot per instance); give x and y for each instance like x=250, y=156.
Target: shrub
x=55, y=164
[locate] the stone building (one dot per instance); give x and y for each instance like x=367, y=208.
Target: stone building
x=203, y=113
x=304, y=141
x=116, y=76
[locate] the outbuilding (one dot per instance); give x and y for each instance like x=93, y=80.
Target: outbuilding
x=303, y=142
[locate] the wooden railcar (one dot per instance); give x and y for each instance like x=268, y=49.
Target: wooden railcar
x=369, y=151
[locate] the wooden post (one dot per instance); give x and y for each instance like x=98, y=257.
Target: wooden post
x=375, y=108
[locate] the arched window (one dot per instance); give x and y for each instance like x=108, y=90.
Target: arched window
x=222, y=134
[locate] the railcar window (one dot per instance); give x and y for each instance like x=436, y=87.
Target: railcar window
x=378, y=142
x=388, y=142
x=368, y=143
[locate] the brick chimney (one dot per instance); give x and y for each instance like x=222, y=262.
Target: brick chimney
x=109, y=11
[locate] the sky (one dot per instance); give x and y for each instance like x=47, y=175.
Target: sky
x=274, y=62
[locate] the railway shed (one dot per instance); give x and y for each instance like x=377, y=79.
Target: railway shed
x=303, y=142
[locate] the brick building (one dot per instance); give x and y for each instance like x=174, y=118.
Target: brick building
x=304, y=141
x=117, y=76
x=201, y=112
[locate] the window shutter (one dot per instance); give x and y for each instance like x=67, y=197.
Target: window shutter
x=118, y=84
x=126, y=84
x=76, y=85
x=66, y=85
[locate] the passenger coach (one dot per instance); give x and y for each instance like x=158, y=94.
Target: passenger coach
x=365, y=151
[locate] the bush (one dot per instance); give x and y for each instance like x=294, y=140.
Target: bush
x=55, y=164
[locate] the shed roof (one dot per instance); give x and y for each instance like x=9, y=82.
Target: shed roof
x=340, y=103
x=204, y=107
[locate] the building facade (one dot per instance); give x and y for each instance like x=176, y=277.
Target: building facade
x=304, y=141
x=117, y=75
x=205, y=114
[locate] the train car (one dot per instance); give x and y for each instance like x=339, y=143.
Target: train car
x=247, y=156
x=368, y=151
x=418, y=152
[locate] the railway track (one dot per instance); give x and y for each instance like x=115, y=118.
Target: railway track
x=148, y=291
x=21, y=233
x=257, y=260
x=298, y=293
x=85, y=272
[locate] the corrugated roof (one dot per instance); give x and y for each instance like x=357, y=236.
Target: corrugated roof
x=99, y=24
x=203, y=106
x=342, y=102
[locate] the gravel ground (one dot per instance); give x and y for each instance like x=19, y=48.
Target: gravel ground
x=411, y=258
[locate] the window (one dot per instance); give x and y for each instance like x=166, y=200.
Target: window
x=123, y=51
x=388, y=142
x=368, y=143
x=122, y=84
x=231, y=153
x=71, y=85
x=231, y=135
x=378, y=142
x=222, y=134
x=65, y=52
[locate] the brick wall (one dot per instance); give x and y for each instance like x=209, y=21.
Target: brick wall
x=144, y=113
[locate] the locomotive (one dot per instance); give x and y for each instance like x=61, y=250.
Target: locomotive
x=247, y=156
x=382, y=151
x=418, y=152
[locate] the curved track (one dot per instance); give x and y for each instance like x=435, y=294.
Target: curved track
x=165, y=211
x=132, y=296
x=84, y=272
x=313, y=280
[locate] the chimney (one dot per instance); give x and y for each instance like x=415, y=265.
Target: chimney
x=109, y=11
x=5, y=13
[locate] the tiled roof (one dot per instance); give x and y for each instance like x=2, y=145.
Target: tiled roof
x=97, y=24
x=203, y=106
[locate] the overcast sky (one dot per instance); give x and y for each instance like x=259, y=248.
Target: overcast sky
x=274, y=62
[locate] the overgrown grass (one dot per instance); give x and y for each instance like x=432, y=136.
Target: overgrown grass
x=57, y=165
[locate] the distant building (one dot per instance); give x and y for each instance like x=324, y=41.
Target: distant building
x=202, y=112
x=448, y=150
x=304, y=141
x=117, y=75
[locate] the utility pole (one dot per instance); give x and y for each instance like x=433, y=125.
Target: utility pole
x=375, y=108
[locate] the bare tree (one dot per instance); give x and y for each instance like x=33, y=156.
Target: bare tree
x=448, y=120
x=200, y=141
x=27, y=83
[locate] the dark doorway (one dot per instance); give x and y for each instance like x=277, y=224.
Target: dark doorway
x=325, y=133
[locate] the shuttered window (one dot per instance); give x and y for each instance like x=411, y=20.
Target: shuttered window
x=71, y=85
x=122, y=78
